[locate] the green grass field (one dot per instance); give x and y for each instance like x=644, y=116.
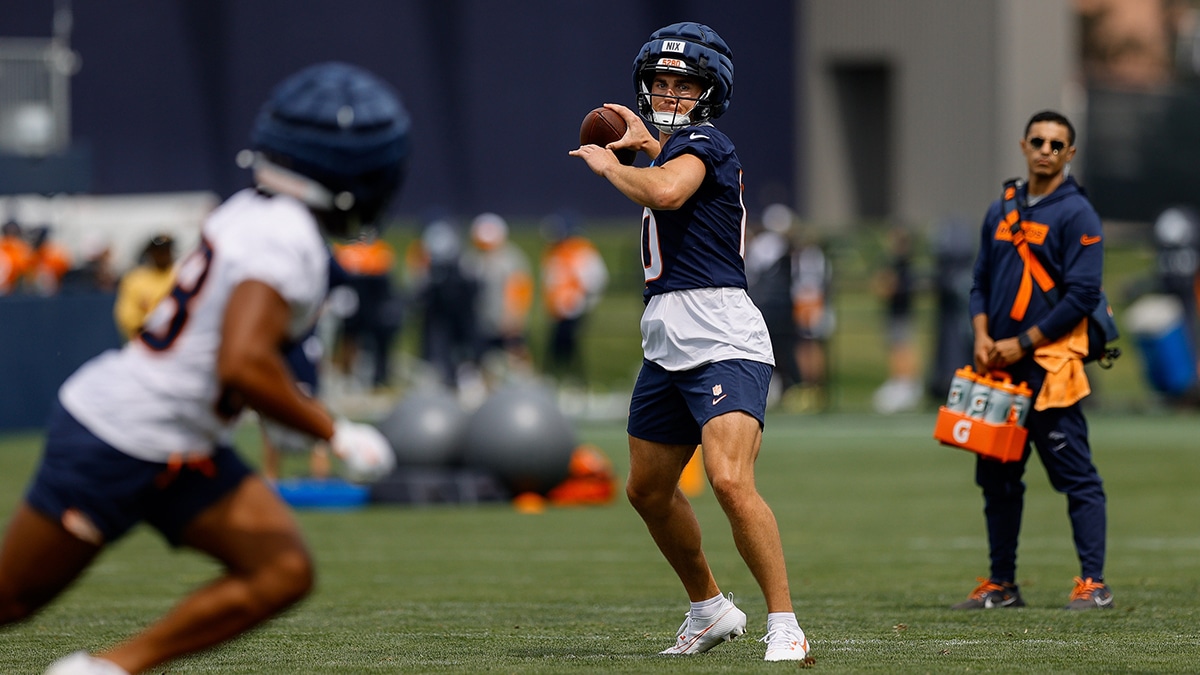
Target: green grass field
x=882, y=528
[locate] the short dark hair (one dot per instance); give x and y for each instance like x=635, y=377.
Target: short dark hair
x=1056, y=117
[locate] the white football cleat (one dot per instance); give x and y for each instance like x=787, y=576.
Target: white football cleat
x=82, y=663
x=695, y=637
x=785, y=643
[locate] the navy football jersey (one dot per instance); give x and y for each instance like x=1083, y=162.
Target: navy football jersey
x=702, y=243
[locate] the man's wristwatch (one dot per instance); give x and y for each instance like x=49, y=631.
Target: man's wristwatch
x=1026, y=343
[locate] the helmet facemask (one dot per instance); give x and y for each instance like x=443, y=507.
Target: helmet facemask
x=340, y=213
x=669, y=122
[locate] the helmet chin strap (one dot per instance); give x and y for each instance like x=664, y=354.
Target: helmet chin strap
x=271, y=177
x=670, y=122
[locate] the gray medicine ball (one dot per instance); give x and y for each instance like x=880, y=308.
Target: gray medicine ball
x=521, y=437
x=426, y=428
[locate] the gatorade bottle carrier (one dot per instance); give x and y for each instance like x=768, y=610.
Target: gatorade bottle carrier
x=1001, y=441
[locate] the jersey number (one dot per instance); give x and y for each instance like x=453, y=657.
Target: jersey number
x=168, y=319
x=652, y=263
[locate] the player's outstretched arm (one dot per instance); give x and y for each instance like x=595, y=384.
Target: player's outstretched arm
x=664, y=188
x=250, y=362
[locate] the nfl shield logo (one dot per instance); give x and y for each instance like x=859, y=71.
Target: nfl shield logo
x=716, y=390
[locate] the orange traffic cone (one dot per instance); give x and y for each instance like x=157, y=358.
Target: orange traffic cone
x=691, y=481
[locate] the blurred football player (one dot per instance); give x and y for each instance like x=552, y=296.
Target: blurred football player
x=505, y=294
x=50, y=262
x=374, y=321
x=15, y=256
x=143, y=433
x=574, y=277
x=708, y=357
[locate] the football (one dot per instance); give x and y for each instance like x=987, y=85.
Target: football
x=603, y=126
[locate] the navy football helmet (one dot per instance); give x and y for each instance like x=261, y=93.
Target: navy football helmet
x=691, y=49
x=336, y=137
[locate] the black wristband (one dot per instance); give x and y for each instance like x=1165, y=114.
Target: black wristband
x=1026, y=343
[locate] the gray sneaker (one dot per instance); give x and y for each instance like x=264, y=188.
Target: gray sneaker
x=992, y=595
x=1089, y=594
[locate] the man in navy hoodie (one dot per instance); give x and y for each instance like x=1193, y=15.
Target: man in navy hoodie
x=1037, y=277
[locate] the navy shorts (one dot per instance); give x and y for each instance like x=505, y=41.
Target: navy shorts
x=81, y=472
x=673, y=406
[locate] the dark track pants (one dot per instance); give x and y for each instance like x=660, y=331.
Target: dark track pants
x=1061, y=439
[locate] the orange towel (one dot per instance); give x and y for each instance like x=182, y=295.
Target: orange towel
x=1066, y=382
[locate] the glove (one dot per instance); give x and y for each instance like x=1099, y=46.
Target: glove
x=366, y=455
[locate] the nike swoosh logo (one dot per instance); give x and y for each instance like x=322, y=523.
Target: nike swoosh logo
x=719, y=399
x=1088, y=241
x=988, y=603
x=695, y=136
x=1104, y=601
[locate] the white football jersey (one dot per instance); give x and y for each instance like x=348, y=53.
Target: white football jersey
x=158, y=396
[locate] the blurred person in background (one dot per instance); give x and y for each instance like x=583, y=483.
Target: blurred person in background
x=770, y=274
x=140, y=289
x=16, y=256
x=94, y=271
x=1177, y=261
x=505, y=295
x=445, y=293
x=954, y=256
x=812, y=309
x=375, y=319
x=789, y=279
x=895, y=284
x=574, y=277
x=49, y=263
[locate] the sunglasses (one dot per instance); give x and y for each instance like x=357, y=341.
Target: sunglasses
x=1055, y=146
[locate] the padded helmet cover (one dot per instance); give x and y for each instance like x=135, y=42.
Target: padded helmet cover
x=693, y=49
x=341, y=126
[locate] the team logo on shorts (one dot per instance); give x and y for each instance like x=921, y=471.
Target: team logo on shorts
x=717, y=395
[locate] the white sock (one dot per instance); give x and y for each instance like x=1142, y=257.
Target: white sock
x=781, y=620
x=707, y=608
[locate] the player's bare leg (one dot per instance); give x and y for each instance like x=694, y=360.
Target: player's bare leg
x=653, y=490
x=731, y=442
x=268, y=568
x=39, y=560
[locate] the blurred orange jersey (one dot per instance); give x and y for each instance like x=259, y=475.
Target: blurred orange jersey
x=366, y=258
x=48, y=265
x=573, y=276
x=15, y=260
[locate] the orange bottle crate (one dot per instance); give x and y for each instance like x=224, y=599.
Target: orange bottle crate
x=1002, y=442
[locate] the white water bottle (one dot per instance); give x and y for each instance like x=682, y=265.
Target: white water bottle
x=1022, y=402
x=960, y=389
x=977, y=402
